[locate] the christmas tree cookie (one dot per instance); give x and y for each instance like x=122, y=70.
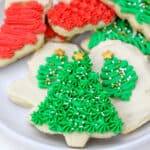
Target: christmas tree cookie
x=118, y=77
x=137, y=12
x=120, y=30
x=48, y=73
x=75, y=17
x=22, y=31
x=133, y=113
x=76, y=103
x=136, y=111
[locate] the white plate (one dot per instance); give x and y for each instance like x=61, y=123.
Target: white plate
x=13, y=119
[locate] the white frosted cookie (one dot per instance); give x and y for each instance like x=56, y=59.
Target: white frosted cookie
x=136, y=112
x=76, y=17
x=24, y=31
x=136, y=12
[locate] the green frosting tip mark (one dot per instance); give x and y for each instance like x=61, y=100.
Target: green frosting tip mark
x=120, y=30
x=76, y=100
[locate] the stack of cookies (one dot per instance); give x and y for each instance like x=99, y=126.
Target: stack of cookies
x=98, y=89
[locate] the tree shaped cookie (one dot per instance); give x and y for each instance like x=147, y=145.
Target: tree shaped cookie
x=134, y=113
x=137, y=12
x=69, y=19
x=48, y=73
x=120, y=30
x=77, y=103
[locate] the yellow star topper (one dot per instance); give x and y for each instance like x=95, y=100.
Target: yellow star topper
x=107, y=55
x=79, y=56
x=59, y=52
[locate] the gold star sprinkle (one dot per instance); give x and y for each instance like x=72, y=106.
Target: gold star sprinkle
x=79, y=56
x=107, y=55
x=59, y=52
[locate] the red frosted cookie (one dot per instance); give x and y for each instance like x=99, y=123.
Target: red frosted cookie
x=23, y=30
x=50, y=34
x=77, y=16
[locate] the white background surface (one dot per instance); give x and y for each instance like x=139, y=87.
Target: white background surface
x=10, y=142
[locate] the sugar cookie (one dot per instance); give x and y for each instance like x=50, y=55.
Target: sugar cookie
x=136, y=12
x=69, y=19
x=24, y=31
x=119, y=30
x=31, y=97
x=135, y=116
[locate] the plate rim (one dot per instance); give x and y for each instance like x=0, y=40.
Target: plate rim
x=23, y=139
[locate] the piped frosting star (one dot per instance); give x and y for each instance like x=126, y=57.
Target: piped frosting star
x=107, y=55
x=59, y=52
x=79, y=56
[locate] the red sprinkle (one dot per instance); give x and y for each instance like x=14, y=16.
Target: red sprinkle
x=80, y=13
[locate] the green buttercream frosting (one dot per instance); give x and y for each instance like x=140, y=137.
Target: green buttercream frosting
x=118, y=78
x=120, y=30
x=139, y=8
x=48, y=72
x=76, y=102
